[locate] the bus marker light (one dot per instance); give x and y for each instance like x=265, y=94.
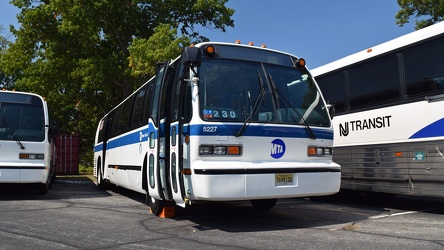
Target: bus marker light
x=251, y=43
x=209, y=50
x=300, y=63
x=398, y=154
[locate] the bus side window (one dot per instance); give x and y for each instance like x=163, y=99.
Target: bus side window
x=147, y=102
x=115, y=123
x=333, y=89
x=136, y=117
x=424, y=68
x=374, y=82
x=125, y=115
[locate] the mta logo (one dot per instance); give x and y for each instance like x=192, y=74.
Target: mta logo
x=277, y=148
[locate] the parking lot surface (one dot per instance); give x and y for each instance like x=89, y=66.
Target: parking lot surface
x=76, y=215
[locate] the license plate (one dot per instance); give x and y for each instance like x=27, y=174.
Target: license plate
x=284, y=179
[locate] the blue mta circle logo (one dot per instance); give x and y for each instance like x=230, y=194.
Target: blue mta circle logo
x=277, y=148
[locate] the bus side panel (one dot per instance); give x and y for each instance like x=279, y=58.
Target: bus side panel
x=124, y=161
x=426, y=162
x=415, y=168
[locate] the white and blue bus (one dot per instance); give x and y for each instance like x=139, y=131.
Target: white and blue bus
x=25, y=141
x=222, y=122
x=389, y=121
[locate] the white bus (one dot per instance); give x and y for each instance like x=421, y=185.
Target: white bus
x=222, y=122
x=25, y=143
x=389, y=121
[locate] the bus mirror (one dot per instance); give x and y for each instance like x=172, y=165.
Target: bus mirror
x=192, y=56
x=53, y=128
x=331, y=110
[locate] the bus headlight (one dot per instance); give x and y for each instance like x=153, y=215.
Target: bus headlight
x=31, y=156
x=319, y=151
x=220, y=149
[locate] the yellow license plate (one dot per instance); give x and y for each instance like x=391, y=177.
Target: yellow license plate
x=284, y=179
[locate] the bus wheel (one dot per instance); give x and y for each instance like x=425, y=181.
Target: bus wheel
x=156, y=205
x=263, y=204
x=43, y=187
x=101, y=185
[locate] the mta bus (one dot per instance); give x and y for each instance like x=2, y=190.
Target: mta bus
x=222, y=122
x=389, y=119
x=25, y=141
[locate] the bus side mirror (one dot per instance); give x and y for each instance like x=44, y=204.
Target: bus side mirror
x=53, y=129
x=331, y=110
x=192, y=56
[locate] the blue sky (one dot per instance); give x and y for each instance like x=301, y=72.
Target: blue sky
x=320, y=31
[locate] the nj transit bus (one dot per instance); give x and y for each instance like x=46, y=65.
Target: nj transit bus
x=222, y=122
x=389, y=121
x=25, y=143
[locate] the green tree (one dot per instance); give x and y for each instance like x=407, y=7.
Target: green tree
x=432, y=11
x=6, y=82
x=87, y=56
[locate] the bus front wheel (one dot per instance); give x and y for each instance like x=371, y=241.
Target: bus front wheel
x=156, y=205
x=43, y=187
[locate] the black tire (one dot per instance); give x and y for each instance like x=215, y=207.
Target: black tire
x=101, y=185
x=43, y=187
x=266, y=204
x=156, y=205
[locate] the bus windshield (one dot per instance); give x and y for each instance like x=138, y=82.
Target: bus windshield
x=232, y=91
x=22, y=122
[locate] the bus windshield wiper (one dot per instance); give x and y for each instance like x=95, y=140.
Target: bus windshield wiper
x=281, y=100
x=11, y=134
x=259, y=98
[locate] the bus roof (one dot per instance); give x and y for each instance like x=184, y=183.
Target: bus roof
x=397, y=43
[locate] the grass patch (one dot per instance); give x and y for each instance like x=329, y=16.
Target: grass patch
x=86, y=170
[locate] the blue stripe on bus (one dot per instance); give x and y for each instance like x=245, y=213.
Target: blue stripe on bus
x=259, y=131
x=431, y=130
x=222, y=130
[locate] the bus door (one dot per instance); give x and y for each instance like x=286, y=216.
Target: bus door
x=177, y=108
x=165, y=136
x=179, y=114
x=157, y=181
x=160, y=130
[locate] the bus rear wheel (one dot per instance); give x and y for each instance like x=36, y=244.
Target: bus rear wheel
x=266, y=204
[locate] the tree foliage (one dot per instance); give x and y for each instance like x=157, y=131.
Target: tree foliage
x=6, y=82
x=432, y=11
x=86, y=56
